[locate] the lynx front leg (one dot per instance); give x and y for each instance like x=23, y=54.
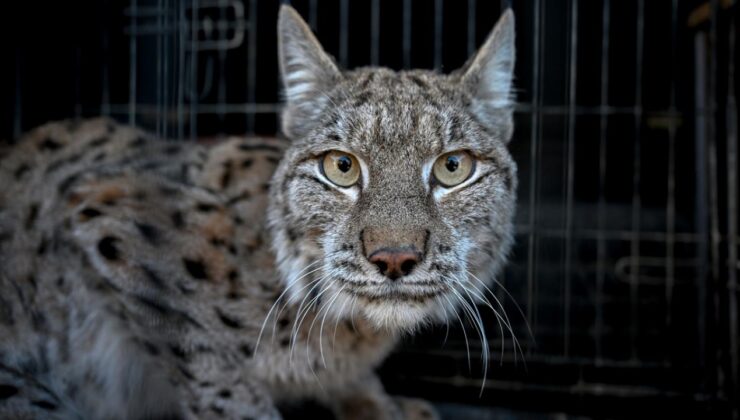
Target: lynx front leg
x=367, y=400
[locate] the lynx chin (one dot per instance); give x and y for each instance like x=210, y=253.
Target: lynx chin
x=151, y=279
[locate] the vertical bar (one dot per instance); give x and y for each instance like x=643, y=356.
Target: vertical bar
x=194, y=70
x=732, y=214
x=573, y=55
x=343, y=32
x=182, y=29
x=636, y=181
x=535, y=132
x=221, y=90
x=166, y=68
x=132, y=65
x=159, y=99
x=406, y=34
x=714, y=232
x=671, y=187
x=702, y=213
x=18, y=114
x=471, y=27
x=252, y=63
x=313, y=15
x=375, y=32
x=104, y=80
x=438, y=17
x=601, y=206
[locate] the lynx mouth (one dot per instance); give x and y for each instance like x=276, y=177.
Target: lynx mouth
x=396, y=293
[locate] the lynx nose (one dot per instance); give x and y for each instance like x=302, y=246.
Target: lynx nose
x=395, y=263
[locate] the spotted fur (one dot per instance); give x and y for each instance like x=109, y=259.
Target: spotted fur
x=151, y=279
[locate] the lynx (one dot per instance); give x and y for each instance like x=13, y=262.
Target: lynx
x=150, y=279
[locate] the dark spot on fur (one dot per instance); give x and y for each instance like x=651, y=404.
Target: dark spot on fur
x=33, y=212
x=226, y=177
x=349, y=265
x=195, y=268
x=205, y=207
x=49, y=144
x=46, y=405
x=90, y=213
x=149, y=232
x=43, y=245
x=151, y=348
x=246, y=163
x=284, y=342
x=153, y=277
x=155, y=306
x=38, y=319
x=100, y=156
x=244, y=195
x=186, y=373
x=216, y=409
x=283, y=322
x=508, y=181
x=227, y=320
x=362, y=98
x=108, y=249
x=224, y=393
x=233, y=275
x=334, y=137
x=266, y=187
x=21, y=170
x=99, y=141
x=272, y=159
x=67, y=183
x=443, y=249
x=178, y=351
x=177, y=220
x=418, y=81
x=246, y=350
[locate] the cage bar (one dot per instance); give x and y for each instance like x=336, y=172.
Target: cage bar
x=572, y=84
x=636, y=178
x=601, y=205
x=534, y=144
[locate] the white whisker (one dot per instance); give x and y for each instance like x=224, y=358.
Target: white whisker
x=274, y=305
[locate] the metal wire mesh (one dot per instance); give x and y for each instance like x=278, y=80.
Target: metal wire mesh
x=626, y=141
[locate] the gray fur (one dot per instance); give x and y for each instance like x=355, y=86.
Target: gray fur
x=138, y=280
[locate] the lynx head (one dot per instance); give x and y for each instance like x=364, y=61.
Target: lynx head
x=395, y=200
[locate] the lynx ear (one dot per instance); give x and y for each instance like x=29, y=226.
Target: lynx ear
x=488, y=76
x=307, y=73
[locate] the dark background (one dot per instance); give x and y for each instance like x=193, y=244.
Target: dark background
x=625, y=217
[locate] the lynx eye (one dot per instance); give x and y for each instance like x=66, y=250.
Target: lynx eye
x=341, y=168
x=453, y=168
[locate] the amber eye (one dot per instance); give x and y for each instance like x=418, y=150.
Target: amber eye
x=453, y=168
x=341, y=168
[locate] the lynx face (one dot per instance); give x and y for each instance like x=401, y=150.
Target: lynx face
x=396, y=198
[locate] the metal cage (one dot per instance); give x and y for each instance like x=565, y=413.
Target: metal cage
x=626, y=257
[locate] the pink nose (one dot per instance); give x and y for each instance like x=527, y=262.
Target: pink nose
x=395, y=262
